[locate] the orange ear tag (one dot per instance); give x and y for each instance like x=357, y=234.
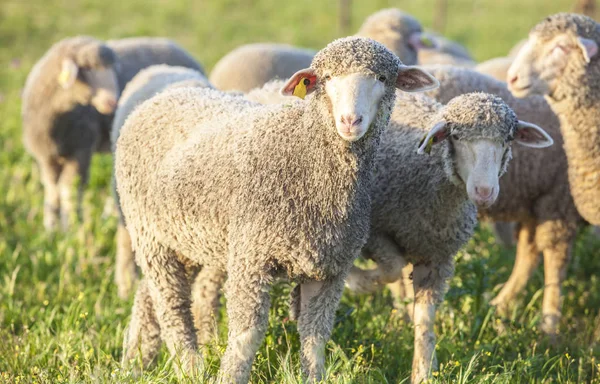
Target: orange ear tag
x=300, y=90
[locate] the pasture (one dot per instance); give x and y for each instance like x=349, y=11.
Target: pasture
x=61, y=320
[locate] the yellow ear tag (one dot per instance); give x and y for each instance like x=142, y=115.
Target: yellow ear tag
x=429, y=144
x=300, y=89
x=426, y=41
x=63, y=77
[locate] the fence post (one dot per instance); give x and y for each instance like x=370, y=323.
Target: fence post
x=345, y=12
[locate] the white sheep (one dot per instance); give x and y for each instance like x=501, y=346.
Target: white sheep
x=146, y=84
x=424, y=205
x=251, y=66
x=68, y=101
x=256, y=191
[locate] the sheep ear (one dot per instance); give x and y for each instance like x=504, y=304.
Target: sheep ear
x=530, y=135
x=437, y=134
x=415, y=79
x=68, y=73
x=588, y=47
x=300, y=84
x=420, y=40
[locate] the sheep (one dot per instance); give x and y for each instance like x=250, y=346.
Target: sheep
x=424, y=207
x=68, y=101
x=255, y=191
x=251, y=66
x=441, y=50
x=535, y=194
x=496, y=67
x=143, y=86
x=560, y=61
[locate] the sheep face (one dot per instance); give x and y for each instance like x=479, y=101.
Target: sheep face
x=542, y=62
x=480, y=161
x=95, y=86
x=105, y=89
x=355, y=102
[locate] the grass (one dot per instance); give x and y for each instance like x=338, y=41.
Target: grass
x=60, y=317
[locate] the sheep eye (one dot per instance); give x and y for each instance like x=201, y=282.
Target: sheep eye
x=382, y=78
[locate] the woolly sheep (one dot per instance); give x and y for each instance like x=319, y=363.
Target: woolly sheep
x=535, y=194
x=444, y=51
x=560, y=61
x=251, y=66
x=256, y=191
x=424, y=207
x=496, y=67
x=68, y=101
x=147, y=83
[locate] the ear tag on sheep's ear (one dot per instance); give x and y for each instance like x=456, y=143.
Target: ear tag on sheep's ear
x=68, y=73
x=429, y=145
x=427, y=41
x=300, y=90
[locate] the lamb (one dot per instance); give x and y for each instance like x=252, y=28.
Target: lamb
x=255, y=191
x=470, y=141
x=251, y=66
x=535, y=194
x=147, y=83
x=560, y=61
x=68, y=101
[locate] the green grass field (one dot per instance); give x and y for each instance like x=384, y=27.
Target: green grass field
x=61, y=320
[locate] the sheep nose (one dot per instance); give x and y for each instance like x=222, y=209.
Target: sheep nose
x=512, y=80
x=484, y=192
x=351, y=120
x=111, y=104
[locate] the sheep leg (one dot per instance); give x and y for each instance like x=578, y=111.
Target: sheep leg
x=430, y=282
x=170, y=290
x=248, y=302
x=318, y=303
x=385, y=252
x=403, y=293
x=205, y=307
x=527, y=259
x=77, y=167
x=143, y=333
x=556, y=240
x=125, y=272
x=50, y=173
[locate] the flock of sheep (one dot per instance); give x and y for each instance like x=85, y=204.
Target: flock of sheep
x=289, y=163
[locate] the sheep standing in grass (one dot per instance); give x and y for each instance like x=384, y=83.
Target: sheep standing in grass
x=560, y=61
x=251, y=66
x=68, y=101
x=535, y=194
x=424, y=205
x=256, y=191
x=147, y=83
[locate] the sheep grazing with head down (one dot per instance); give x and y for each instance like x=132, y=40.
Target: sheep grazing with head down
x=560, y=61
x=424, y=206
x=256, y=191
x=68, y=101
x=147, y=83
x=251, y=66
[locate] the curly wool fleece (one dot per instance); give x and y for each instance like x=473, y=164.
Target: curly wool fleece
x=480, y=116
